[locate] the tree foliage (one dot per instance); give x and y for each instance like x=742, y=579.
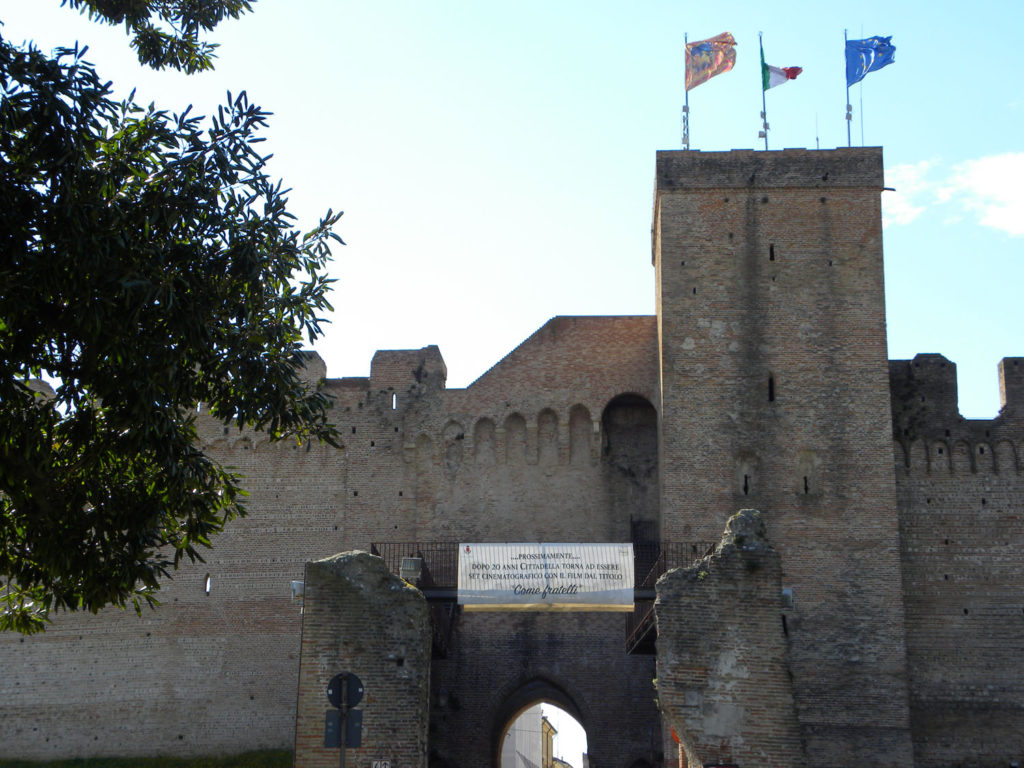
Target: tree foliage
x=147, y=264
x=166, y=33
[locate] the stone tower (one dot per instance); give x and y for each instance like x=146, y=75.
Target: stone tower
x=774, y=395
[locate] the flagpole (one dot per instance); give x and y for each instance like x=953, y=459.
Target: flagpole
x=849, y=107
x=764, y=105
x=860, y=93
x=686, y=99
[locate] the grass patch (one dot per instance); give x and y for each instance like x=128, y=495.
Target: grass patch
x=277, y=758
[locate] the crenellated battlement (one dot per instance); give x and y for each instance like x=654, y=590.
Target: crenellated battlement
x=1011, y=385
x=400, y=369
x=925, y=405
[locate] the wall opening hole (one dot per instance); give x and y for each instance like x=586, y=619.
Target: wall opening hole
x=746, y=484
x=355, y=493
x=945, y=577
x=694, y=291
x=771, y=389
x=785, y=627
x=807, y=488
x=372, y=444
x=965, y=611
x=353, y=430
x=771, y=252
x=543, y=735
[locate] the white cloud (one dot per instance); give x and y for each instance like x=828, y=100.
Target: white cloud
x=987, y=188
x=904, y=204
x=990, y=187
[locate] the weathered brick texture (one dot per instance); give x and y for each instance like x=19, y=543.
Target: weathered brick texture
x=723, y=675
x=774, y=394
x=362, y=619
x=961, y=497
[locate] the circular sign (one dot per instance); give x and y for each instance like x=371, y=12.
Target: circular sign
x=345, y=690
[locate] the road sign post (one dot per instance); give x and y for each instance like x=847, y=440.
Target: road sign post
x=343, y=725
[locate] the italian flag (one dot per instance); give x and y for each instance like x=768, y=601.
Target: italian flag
x=773, y=76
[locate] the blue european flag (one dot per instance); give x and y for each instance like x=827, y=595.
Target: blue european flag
x=867, y=55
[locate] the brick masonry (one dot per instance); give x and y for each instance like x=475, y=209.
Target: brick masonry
x=723, y=674
x=761, y=382
x=360, y=618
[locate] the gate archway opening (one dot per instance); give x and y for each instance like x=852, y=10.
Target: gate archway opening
x=540, y=727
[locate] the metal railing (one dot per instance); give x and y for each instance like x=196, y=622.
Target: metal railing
x=651, y=560
x=641, y=630
x=441, y=559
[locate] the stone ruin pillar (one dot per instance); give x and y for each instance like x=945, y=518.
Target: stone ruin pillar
x=360, y=618
x=723, y=677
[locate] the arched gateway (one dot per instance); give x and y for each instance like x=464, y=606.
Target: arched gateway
x=450, y=681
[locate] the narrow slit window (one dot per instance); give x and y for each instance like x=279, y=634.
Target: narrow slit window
x=208, y=585
x=771, y=252
x=771, y=389
x=394, y=401
x=746, y=485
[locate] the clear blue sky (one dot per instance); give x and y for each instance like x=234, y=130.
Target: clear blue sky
x=495, y=160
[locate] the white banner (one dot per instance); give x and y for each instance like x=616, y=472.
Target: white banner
x=545, y=577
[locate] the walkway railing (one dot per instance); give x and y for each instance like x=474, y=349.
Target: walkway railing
x=441, y=559
x=439, y=574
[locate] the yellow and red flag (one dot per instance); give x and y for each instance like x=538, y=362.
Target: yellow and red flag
x=707, y=58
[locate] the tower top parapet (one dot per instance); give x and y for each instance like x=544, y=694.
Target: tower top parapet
x=747, y=169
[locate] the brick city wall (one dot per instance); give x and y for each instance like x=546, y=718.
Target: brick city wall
x=961, y=495
x=761, y=383
x=723, y=674
x=217, y=672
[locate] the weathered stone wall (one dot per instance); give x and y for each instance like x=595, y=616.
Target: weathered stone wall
x=362, y=619
x=762, y=382
x=775, y=395
x=723, y=675
x=961, y=493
